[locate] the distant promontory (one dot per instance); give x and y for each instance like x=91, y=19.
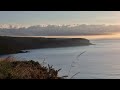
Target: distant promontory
x=9, y=45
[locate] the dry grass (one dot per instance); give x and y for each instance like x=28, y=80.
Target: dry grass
x=73, y=62
x=10, y=68
x=7, y=59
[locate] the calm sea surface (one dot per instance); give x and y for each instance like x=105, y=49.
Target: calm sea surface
x=101, y=61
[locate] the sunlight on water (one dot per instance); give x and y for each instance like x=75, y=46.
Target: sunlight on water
x=111, y=36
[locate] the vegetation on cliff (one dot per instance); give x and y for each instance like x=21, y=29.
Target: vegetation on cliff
x=10, y=68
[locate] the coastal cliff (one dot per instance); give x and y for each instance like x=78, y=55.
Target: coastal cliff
x=10, y=45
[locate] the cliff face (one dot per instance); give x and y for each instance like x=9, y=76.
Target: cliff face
x=13, y=44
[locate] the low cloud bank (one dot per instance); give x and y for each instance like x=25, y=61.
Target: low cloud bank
x=57, y=30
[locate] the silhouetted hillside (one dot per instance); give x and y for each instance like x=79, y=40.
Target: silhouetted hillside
x=15, y=44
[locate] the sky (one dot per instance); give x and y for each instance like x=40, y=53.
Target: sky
x=59, y=17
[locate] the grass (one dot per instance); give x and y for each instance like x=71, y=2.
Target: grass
x=10, y=68
x=77, y=58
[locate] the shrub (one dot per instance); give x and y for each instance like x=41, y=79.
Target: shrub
x=10, y=68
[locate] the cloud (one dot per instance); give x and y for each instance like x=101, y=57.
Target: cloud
x=49, y=30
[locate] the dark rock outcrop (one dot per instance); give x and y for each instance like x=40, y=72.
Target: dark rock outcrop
x=21, y=51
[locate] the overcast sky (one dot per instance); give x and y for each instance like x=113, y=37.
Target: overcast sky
x=59, y=17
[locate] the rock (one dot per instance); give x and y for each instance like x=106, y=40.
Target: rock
x=22, y=51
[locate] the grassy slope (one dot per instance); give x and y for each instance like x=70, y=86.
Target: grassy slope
x=12, y=69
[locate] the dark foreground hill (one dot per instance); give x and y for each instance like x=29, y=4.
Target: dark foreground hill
x=10, y=45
